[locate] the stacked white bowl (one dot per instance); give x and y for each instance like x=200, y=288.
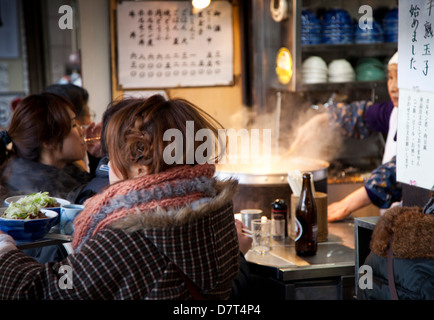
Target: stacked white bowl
x=340, y=70
x=314, y=70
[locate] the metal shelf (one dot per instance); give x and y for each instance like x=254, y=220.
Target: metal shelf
x=353, y=49
x=336, y=86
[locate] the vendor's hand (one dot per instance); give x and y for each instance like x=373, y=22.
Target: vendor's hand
x=337, y=211
x=93, y=139
x=7, y=243
x=310, y=132
x=244, y=242
x=356, y=200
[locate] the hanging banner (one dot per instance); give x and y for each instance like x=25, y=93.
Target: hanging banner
x=416, y=44
x=415, y=152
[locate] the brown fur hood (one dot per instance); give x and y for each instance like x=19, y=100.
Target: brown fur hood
x=412, y=231
x=160, y=218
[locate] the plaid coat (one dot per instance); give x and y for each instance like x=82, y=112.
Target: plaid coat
x=138, y=258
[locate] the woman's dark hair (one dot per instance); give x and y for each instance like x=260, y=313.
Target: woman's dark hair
x=134, y=132
x=40, y=118
x=78, y=96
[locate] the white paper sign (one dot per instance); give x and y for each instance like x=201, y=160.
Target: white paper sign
x=416, y=44
x=162, y=44
x=415, y=153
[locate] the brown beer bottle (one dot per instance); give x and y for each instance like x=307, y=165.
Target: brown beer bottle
x=306, y=243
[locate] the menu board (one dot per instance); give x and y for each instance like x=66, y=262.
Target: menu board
x=416, y=94
x=162, y=44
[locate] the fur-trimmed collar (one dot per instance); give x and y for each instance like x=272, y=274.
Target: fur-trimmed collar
x=159, y=217
x=412, y=231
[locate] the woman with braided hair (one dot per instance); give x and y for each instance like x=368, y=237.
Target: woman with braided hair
x=160, y=230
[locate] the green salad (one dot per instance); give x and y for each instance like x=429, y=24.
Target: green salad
x=29, y=207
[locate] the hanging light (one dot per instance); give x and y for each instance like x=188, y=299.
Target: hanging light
x=200, y=4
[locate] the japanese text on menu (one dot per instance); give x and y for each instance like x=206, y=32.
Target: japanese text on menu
x=163, y=44
x=416, y=94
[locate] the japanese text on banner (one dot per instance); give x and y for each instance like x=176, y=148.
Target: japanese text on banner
x=416, y=44
x=416, y=94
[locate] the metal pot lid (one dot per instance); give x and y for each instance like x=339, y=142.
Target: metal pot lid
x=275, y=173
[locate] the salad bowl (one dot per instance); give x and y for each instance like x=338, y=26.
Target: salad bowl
x=28, y=229
x=60, y=201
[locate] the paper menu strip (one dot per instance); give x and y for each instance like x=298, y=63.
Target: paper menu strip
x=415, y=152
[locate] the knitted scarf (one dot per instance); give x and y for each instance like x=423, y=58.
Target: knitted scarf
x=173, y=188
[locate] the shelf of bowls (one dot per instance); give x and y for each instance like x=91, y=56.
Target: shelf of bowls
x=315, y=70
x=337, y=27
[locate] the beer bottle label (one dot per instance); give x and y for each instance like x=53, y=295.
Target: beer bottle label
x=298, y=229
x=278, y=214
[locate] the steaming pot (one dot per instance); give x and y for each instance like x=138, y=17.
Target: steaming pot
x=258, y=189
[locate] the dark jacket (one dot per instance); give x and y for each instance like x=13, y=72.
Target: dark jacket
x=98, y=183
x=241, y=282
x=22, y=177
x=412, y=233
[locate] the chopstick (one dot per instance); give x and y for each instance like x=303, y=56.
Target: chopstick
x=92, y=139
x=247, y=233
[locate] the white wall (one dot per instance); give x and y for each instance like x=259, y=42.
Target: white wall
x=95, y=53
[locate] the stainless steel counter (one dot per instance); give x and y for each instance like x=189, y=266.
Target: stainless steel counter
x=335, y=258
x=363, y=228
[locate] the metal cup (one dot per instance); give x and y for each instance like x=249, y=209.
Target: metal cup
x=68, y=212
x=247, y=215
x=278, y=229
